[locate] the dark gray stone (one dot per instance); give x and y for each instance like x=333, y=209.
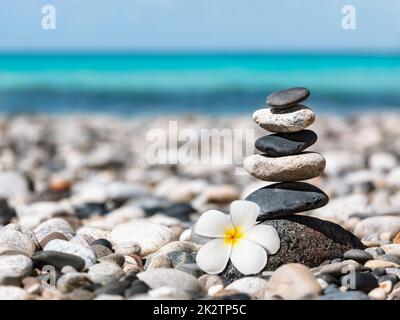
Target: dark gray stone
x=284, y=144
x=191, y=268
x=6, y=212
x=91, y=209
x=389, y=258
x=389, y=277
x=102, y=242
x=378, y=272
x=287, y=97
x=58, y=260
x=180, y=211
x=130, y=277
x=137, y=287
x=306, y=240
x=286, y=198
x=113, y=288
x=150, y=204
x=358, y=255
x=363, y=281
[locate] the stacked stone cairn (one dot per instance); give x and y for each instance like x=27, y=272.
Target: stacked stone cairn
x=283, y=157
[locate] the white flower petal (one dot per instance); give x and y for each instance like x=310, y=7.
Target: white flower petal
x=265, y=235
x=213, y=223
x=248, y=257
x=213, y=256
x=244, y=214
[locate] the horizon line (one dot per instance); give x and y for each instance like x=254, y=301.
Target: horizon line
x=155, y=52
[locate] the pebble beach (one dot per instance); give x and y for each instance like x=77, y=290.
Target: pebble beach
x=79, y=195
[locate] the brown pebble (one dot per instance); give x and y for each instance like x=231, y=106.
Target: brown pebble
x=60, y=184
x=373, y=264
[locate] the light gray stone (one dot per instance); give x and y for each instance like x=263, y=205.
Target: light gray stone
x=51, y=226
x=13, y=239
x=149, y=236
x=378, y=225
x=105, y=273
x=73, y=280
x=14, y=268
x=290, y=119
x=253, y=286
x=303, y=166
x=158, y=278
x=13, y=293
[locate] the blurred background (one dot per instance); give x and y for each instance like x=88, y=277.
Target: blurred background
x=83, y=83
x=132, y=57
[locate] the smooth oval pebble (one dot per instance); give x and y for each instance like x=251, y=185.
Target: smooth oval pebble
x=14, y=268
x=287, y=97
x=286, y=198
x=105, y=272
x=58, y=260
x=74, y=280
x=51, y=226
x=372, y=264
x=157, y=278
x=392, y=248
x=13, y=240
x=290, y=119
x=253, y=286
x=358, y=255
x=303, y=166
x=292, y=281
x=390, y=258
x=149, y=236
x=378, y=225
x=378, y=294
x=285, y=144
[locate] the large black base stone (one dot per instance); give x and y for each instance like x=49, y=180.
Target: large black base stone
x=306, y=240
x=286, y=198
x=285, y=144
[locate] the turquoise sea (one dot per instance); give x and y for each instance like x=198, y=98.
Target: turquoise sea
x=132, y=83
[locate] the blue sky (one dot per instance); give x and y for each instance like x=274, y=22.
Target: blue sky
x=303, y=25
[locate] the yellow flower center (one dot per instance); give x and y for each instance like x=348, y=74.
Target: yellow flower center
x=232, y=236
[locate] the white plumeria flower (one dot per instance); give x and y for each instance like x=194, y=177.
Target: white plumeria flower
x=238, y=237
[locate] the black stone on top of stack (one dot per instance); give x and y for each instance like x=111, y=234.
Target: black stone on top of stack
x=288, y=97
x=287, y=197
